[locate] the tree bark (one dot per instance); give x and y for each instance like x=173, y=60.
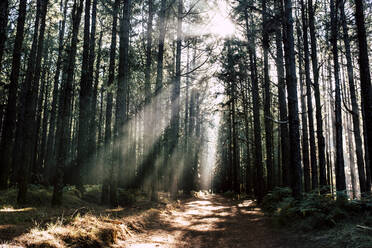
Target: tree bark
x=51, y=148
x=318, y=114
x=340, y=170
x=305, y=134
x=267, y=102
x=175, y=98
x=284, y=135
x=8, y=129
x=24, y=136
x=313, y=157
x=110, y=81
x=259, y=185
x=354, y=103
x=83, y=152
x=365, y=79
x=64, y=108
x=121, y=100
x=291, y=80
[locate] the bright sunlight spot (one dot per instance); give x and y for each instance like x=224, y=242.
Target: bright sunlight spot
x=220, y=23
x=216, y=21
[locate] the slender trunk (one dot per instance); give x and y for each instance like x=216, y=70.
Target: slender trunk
x=291, y=79
x=284, y=135
x=24, y=137
x=259, y=188
x=42, y=100
x=64, y=108
x=46, y=113
x=305, y=135
x=365, y=80
x=147, y=110
x=93, y=83
x=313, y=157
x=354, y=103
x=51, y=148
x=340, y=170
x=175, y=98
x=8, y=129
x=93, y=113
x=318, y=114
x=84, y=102
x=267, y=103
x=110, y=81
x=121, y=100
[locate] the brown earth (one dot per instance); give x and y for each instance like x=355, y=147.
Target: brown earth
x=212, y=221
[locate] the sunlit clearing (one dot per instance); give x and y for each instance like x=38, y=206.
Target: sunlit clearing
x=245, y=203
x=11, y=210
x=114, y=210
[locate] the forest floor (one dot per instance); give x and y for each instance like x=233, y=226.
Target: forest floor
x=213, y=221
x=202, y=221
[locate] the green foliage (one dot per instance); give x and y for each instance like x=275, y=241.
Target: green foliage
x=229, y=194
x=92, y=194
x=277, y=196
x=126, y=197
x=313, y=211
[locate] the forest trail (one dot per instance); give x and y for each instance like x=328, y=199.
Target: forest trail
x=212, y=221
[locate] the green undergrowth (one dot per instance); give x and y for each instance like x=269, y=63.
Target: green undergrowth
x=80, y=222
x=38, y=207
x=235, y=196
x=335, y=223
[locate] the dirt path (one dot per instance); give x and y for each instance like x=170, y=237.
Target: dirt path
x=212, y=221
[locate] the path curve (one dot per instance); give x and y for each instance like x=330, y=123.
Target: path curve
x=211, y=221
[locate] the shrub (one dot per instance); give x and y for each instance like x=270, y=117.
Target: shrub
x=126, y=197
x=313, y=211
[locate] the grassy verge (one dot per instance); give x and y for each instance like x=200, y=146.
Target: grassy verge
x=322, y=219
x=80, y=222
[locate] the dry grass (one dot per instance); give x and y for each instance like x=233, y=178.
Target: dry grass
x=79, y=223
x=87, y=231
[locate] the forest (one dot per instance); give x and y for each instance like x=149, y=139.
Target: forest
x=185, y=123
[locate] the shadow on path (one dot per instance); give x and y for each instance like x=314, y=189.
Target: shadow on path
x=212, y=221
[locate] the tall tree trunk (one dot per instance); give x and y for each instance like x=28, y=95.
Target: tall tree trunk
x=340, y=170
x=147, y=110
x=121, y=100
x=93, y=83
x=64, y=108
x=284, y=135
x=84, y=102
x=45, y=118
x=259, y=188
x=42, y=100
x=24, y=136
x=319, y=118
x=8, y=129
x=354, y=103
x=175, y=98
x=291, y=79
x=305, y=135
x=157, y=113
x=267, y=102
x=365, y=79
x=313, y=157
x=93, y=113
x=51, y=148
x=110, y=81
